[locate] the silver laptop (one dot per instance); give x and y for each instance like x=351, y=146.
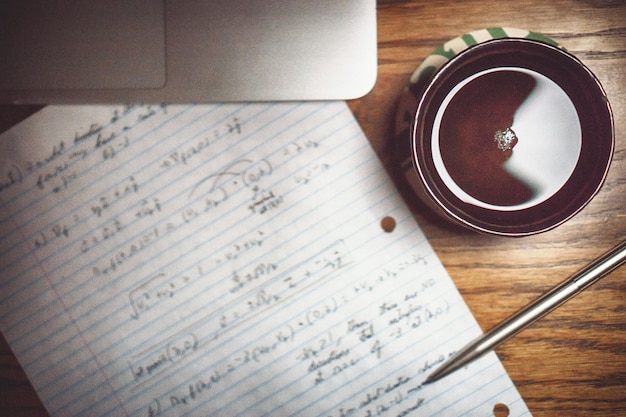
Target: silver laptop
x=99, y=51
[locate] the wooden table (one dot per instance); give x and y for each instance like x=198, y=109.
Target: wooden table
x=573, y=362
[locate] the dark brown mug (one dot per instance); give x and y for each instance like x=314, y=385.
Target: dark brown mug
x=512, y=137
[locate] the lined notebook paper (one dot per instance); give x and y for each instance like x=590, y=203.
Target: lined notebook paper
x=224, y=260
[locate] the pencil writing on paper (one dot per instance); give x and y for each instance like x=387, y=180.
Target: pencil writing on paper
x=168, y=260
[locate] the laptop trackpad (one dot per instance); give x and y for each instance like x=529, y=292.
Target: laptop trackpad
x=74, y=44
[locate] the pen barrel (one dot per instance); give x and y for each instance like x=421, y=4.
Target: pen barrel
x=553, y=299
x=534, y=311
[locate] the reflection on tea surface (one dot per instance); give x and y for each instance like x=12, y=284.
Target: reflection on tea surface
x=506, y=139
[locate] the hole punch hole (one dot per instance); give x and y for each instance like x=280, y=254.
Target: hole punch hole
x=388, y=224
x=500, y=410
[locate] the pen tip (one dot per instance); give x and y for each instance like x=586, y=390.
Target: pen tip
x=430, y=379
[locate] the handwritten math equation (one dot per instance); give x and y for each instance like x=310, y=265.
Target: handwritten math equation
x=321, y=352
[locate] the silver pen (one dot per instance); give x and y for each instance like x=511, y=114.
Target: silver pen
x=533, y=312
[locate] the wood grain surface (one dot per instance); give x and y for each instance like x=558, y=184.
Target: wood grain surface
x=573, y=362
